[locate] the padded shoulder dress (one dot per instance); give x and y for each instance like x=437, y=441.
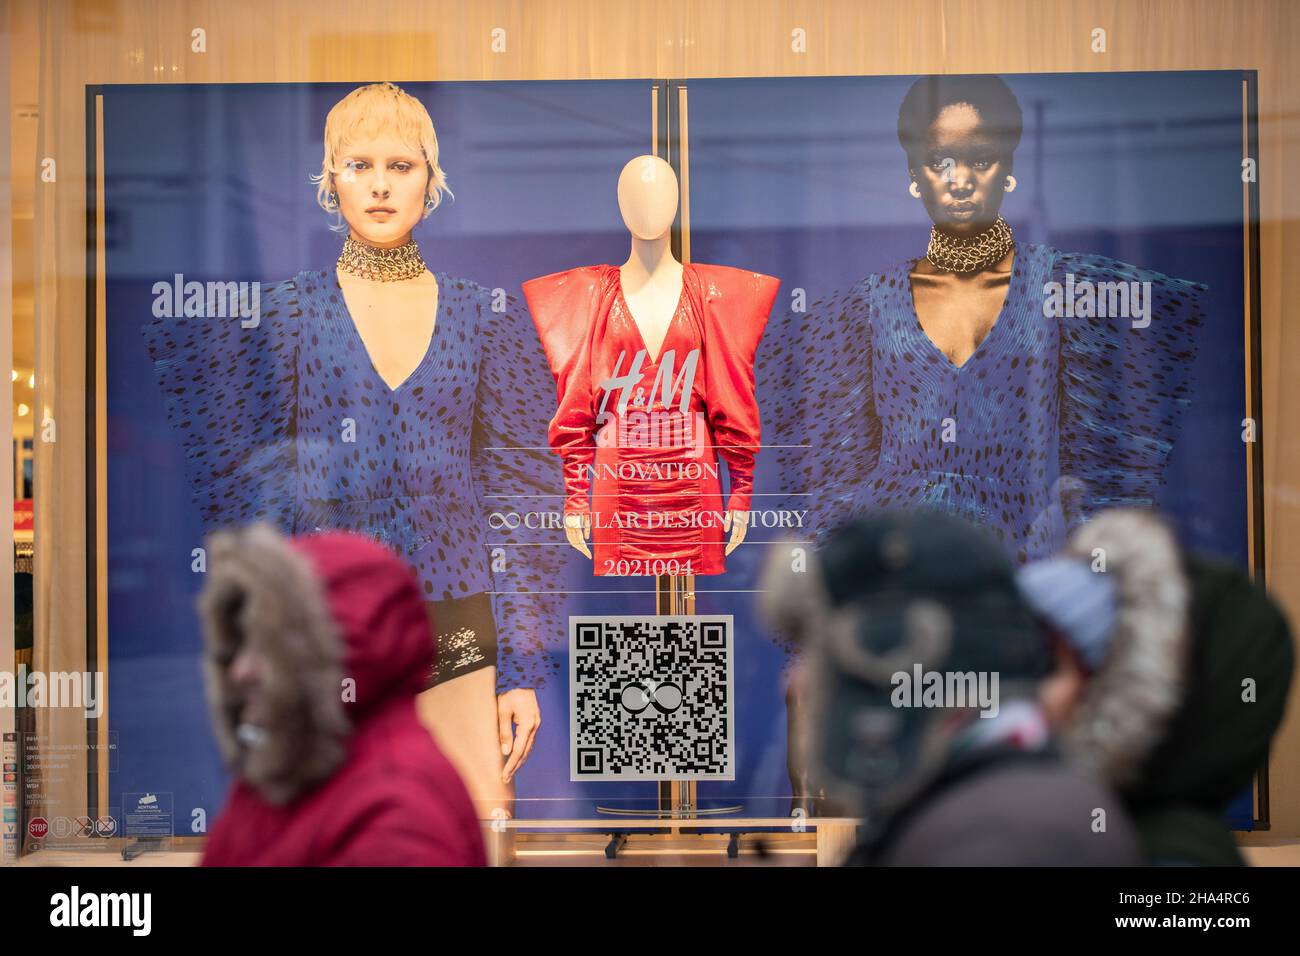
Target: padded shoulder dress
x=1054, y=416
x=641, y=434
x=288, y=421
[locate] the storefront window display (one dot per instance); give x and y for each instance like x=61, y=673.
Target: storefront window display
x=311, y=407
x=592, y=357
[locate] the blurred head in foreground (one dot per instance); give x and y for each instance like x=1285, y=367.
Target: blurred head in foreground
x=923, y=672
x=1172, y=676
x=315, y=648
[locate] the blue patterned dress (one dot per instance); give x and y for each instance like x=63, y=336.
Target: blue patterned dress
x=289, y=422
x=1052, y=418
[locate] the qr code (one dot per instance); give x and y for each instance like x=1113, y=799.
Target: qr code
x=651, y=698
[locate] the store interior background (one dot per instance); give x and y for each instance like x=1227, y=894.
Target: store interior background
x=54, y=48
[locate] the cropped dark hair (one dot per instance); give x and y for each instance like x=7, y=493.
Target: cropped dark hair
x=989, y=95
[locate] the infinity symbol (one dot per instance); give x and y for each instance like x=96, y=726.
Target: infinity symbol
x=665, y=697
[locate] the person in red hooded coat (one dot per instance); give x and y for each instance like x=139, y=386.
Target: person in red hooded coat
x=315, y=648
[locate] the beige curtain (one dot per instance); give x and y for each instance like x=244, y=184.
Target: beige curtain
x=7, y=717
x=59, y=413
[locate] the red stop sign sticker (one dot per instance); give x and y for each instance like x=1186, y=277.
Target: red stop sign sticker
x=38, y=827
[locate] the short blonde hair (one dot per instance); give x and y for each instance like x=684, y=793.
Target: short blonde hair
x=367, y=112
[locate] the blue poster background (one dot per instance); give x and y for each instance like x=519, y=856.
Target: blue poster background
x=799, y=178
x=805, y=179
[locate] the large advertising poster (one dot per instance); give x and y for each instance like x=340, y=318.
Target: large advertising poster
x=219, y=418
x=1112, y=371
x=250, y=377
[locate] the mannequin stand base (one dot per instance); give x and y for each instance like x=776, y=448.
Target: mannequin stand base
x=686, y=812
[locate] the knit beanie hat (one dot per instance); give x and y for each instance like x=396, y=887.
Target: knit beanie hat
x=1075, y=601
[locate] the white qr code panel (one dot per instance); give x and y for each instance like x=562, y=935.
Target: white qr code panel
x=652, y=698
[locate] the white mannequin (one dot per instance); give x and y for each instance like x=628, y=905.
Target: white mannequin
x=651, y=278
x=651, y=281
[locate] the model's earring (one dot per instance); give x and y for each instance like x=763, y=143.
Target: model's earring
x=915, y=190
x=428, y=205
x=1011, y=184
x=332, y=201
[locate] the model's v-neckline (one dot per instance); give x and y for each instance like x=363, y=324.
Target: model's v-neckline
x=999, y=321
x=627, y=307
x=365, y=350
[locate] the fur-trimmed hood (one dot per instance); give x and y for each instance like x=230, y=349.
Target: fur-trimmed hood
x=1240, y=662
x=1134, y=694
x=1181, y=713
x=341, y=627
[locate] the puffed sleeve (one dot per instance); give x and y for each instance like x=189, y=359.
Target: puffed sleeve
x=515, y=474
x=562, y=306
x=231, y=395
x=816, y=382
x=1125, y=385
x=736, y=304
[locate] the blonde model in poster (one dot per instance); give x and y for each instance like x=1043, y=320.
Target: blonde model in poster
x=378, y=396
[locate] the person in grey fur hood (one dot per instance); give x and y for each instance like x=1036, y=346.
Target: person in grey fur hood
x=1172, y=676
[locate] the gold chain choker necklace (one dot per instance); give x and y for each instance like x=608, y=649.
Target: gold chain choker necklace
x=381, y=265
x=969, y=255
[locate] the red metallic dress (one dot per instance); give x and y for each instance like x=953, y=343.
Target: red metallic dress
x=640, y=435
